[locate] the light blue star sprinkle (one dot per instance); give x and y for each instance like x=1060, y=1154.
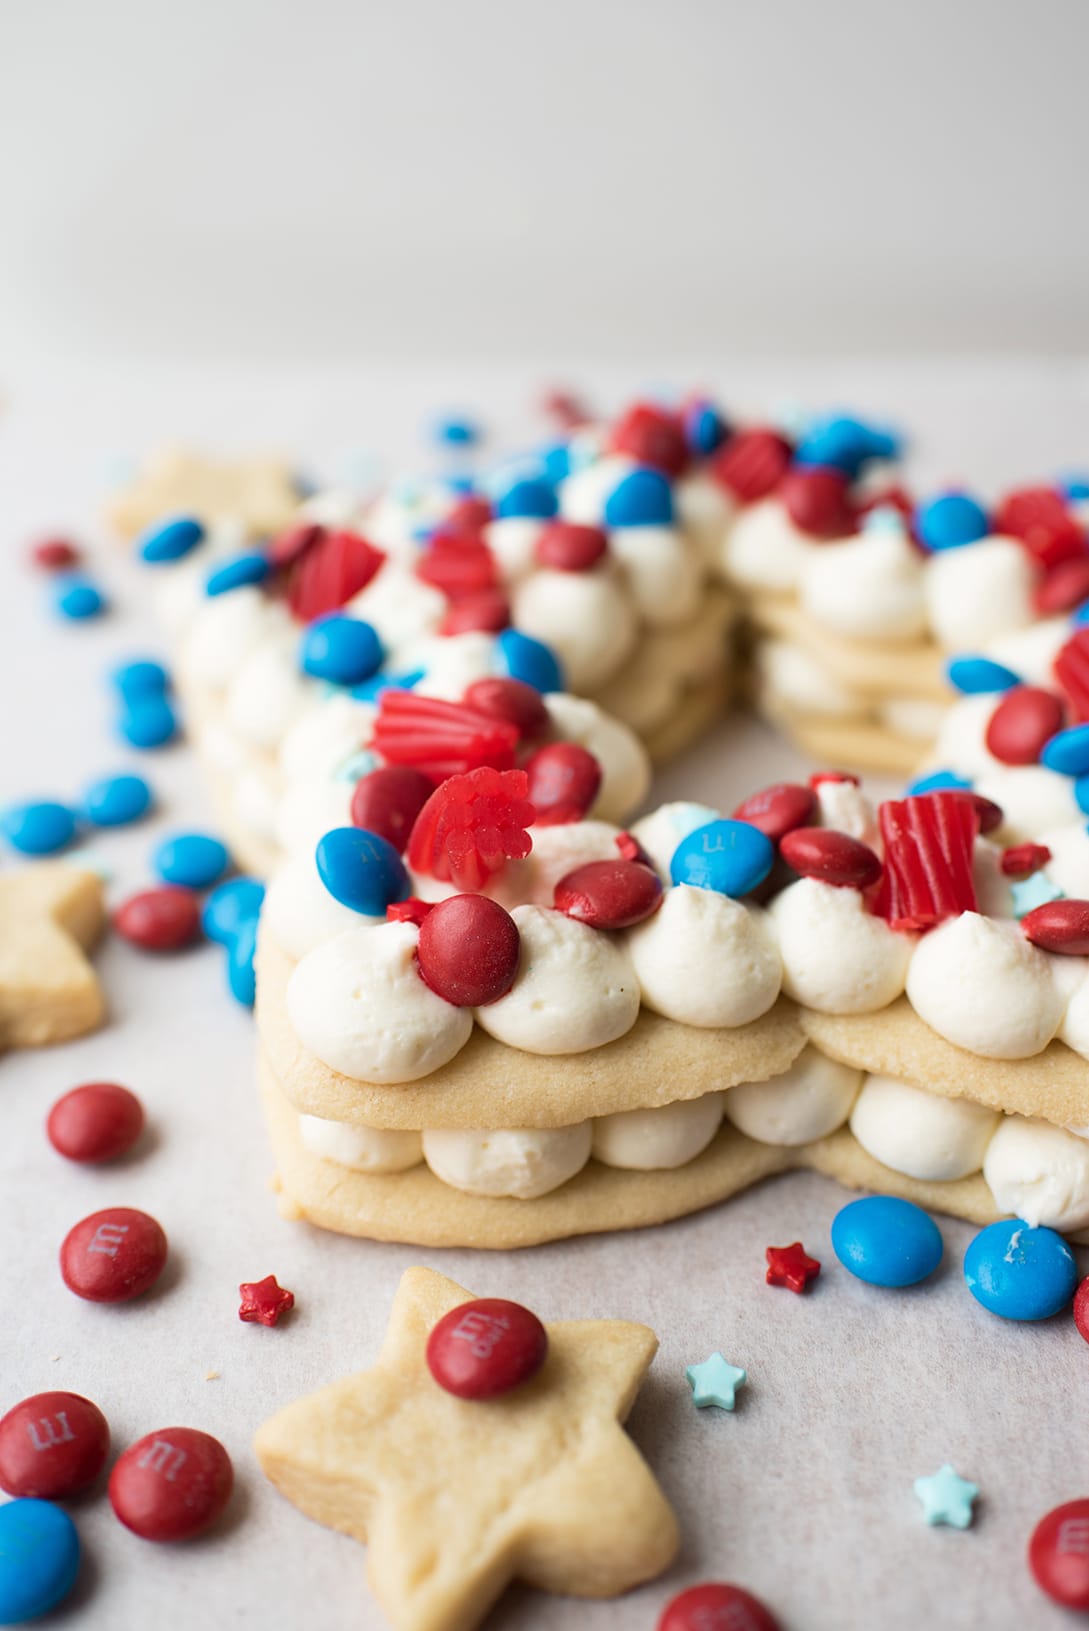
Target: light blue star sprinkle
x=715, y=1382
x=1035, y=890
x=946, y=1498
x=884, y=518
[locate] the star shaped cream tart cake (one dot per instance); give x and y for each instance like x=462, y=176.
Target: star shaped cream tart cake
x=51, y=914
x=258, y=494
x=457, y=1497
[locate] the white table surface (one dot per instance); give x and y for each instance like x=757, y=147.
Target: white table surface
x=804, y=1494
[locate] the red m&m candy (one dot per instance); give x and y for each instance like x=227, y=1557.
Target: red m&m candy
x=486, y=610
x=487, y=1347
x=514, y=701
x=1065, y=587
x=1058, y=1554
x=52, y=1445
x=816, y=501
x=778, y=809
x=468, y=950
x=1059, y=926
x=96, y=1122
x=388, y=800
x=162, y=919
x=563, y=783
x=55, y=555
x=113, y=1255
x=565, y=546
x=716, y=1606
x=609, y=894
x=830, y=857
x=1023, y=721
x=651, y=435
x=171, y=1485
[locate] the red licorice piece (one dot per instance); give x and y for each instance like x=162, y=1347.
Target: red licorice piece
x=441, y=738
x=928, y=844
x=113, y=1255
x=289, y=547
x=486, y=611
x=55, y=555
x=819, y=777
x=162, y=919
x=487, y=1347
x=777, y=809
x=171, y=1484
x=1059, y=926
x=1019, y=860
x=334, y=567
x=831, y=857
x=469, y=515
x=1039, y=518
x=1064, y=587
x=751, y=464
x=632, y=850
x=458, y=564
x=52, y=1445
x=1081, y=1313
x=96, y=1122
x=1022, y=722
x=412, y=910
x=565, y=546
x=471, y=826
x=387, y=801
x=651, y=435
x=609, y=894
x=564, y=780
x=1071, y=669
x=989, y=813
x=817, y=501
x=1058, y=1554
x=519, y=704
x=468, y=950
x=716, y=1606
x=264, y=1302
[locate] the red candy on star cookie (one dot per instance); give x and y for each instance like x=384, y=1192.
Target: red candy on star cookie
x=651, y=435
x=564, y=780
x=928, y=844
x=830, y=857
x=487, y=1347
x=468, y=950
x=55, y=555
x=264, y=1302
x=566, y=546
x=521, y=705
x=459, y=565
x=334, y=567
x=163, y=919
x=113, y=1255
x=472, y=826
x=1022, y=722
x=441, y=738
x=1064, y=587
x=96, y=1122
x=1060, y=926
x=388, y=800
x=1020, y=860
x=1039, y=518
x=486, y=611
x=751, y=464
x=172, y=1484
x=1058, y=1554
x=609, y=894
x=52, y=1445
x=777, y=809
x=1071, y=669
x=816, y=500
x=716, y=1606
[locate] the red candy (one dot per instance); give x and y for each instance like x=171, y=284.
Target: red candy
x=1019, y=860
x=651, y=435
x=817, y=502
x=470, y=514
x=716, y=1607
x=113, y=1256
x=988, y=813
x=1059, y=926
x=776, y=810
x=55, y=555
x=264, y=1302
x=412, y=910
x=513, y=700
x=564, y=780
x=1022, y=722
x=791, y=1266
x=831, y=857
x=486, y=610
x=751, y=464
x=819, y=777
x=566, y=408
x=484, y=1348
x=468, y=950
x=1064, y=587
x=334, y=567
x=1058, y=1554
x=290, y=546
x=458, y=565
x=928, y=842
x=632, y=850
x=1081, y=1308
x=1071, y=669
x=441, y=738
x=388, y=800
x=163, y=919
x=1039, y=518
x=52, y=1445
x=567, y=547
x=171, y=1485
x=96, y=1122
x=609, y=894
x=471, y=826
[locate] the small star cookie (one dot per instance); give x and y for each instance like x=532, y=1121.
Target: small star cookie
x=51, y=914
x=455, y=1496
x=257, y=494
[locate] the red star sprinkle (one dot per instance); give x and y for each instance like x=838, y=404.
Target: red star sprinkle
x=790, y=1266
x=264, y=1301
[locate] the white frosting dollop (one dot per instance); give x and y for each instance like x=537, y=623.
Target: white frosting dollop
x=254, y=798
x=808, y=1101
x=1031, y=651
x=583, y=494
x=869, y=587
x=704, y=510
x=588, y=619
x=1040, y=1173
x=919, y=1133
x=324, y=737
x=994, y=897
x=306, y=811
x=704, y=959
x=1068, y=867
x=299, y=910
x=223, y=633
x=1031, y=797
x=979, y=983
x=977, y=594
x=625, y=764
x=364, y=1149
x=663, y=571
x=399, y=606
x=764, y=549
x=520, y=1162
x=556, y=851
x=268, y=692
x=837, y=957
x=664, y=828
x=513, y=542
x=656, y=1140
x=844, y=807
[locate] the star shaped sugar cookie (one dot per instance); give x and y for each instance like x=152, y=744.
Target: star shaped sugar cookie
x=259, y=494
x=456, y=1497
x=51, y=914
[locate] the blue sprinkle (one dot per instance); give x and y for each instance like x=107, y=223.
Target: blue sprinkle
x=1035, y=890
x=142, y=677
x=356, y=766
x=520, y=657
x=884, y=518
x=886, y=1241
x=642, y=498
x=149, y=722
x=238, y=572
x=1020, y=1273
x=229, y=907
x=529, y=497
x=1075, y=487
x=342, y=649
x=950, y=520
x=1068, y=751
x=39, y=1559
x=361, y=870
x=975, y=675
x=241, y=977
x=77, y=599
x=114, y=801
x=371, y=689
x=936, y=781
x=1081, y=793
x=456, y=430
x=731, y=857
x=704, y=429
x=195, y=860
x=40, y=828
x=170, y=540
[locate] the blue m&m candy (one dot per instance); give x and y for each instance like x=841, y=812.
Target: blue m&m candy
x=528, y=497
x=456, y=430
x=886, y=1242
x=39, y=1559
x=1068, y=751
x=642, y=498
x=39, y=828
x=704, y=428
x=193, y=859
x=973, y=676
x=148, y=722
x=842, y=442
x=1075, y=487
x=229, y=907
x=936, y=782
x=344, y=650
x=731, y=857
x=1020, y=1273
x=114, y=801
x=950, y=520
x=369, y=690
x=522, y=658
x=142, y=677
x=241, y=976
x=238, y=572
x=77, y=599
x=361, y=870
x=170, y=540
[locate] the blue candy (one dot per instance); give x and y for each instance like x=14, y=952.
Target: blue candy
x=342, y=649
x=114, y=801
x=643, y=498
x=77, y=599
x=1080, y=614
x=974, y=675
x=950, y=520
x=1075, y=487
x=844, y=443
x=40, y=828
x=361, y=870
x=886, y=1242
x=937, y=780
x=1068, y=751
x=522, y=658
x=241, y=978
x=704, y=429
x=141, y=678
x=39, y=1559
x=371, y=689
x=456, y=430
x=170, y=540
x=528, y=497
x=238, y=572
x=731, y=857
x=230, y=907
x=148, y=722
x=193, y=859
x=556, y=459
x=1081, y=793
x=1020, y=1273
